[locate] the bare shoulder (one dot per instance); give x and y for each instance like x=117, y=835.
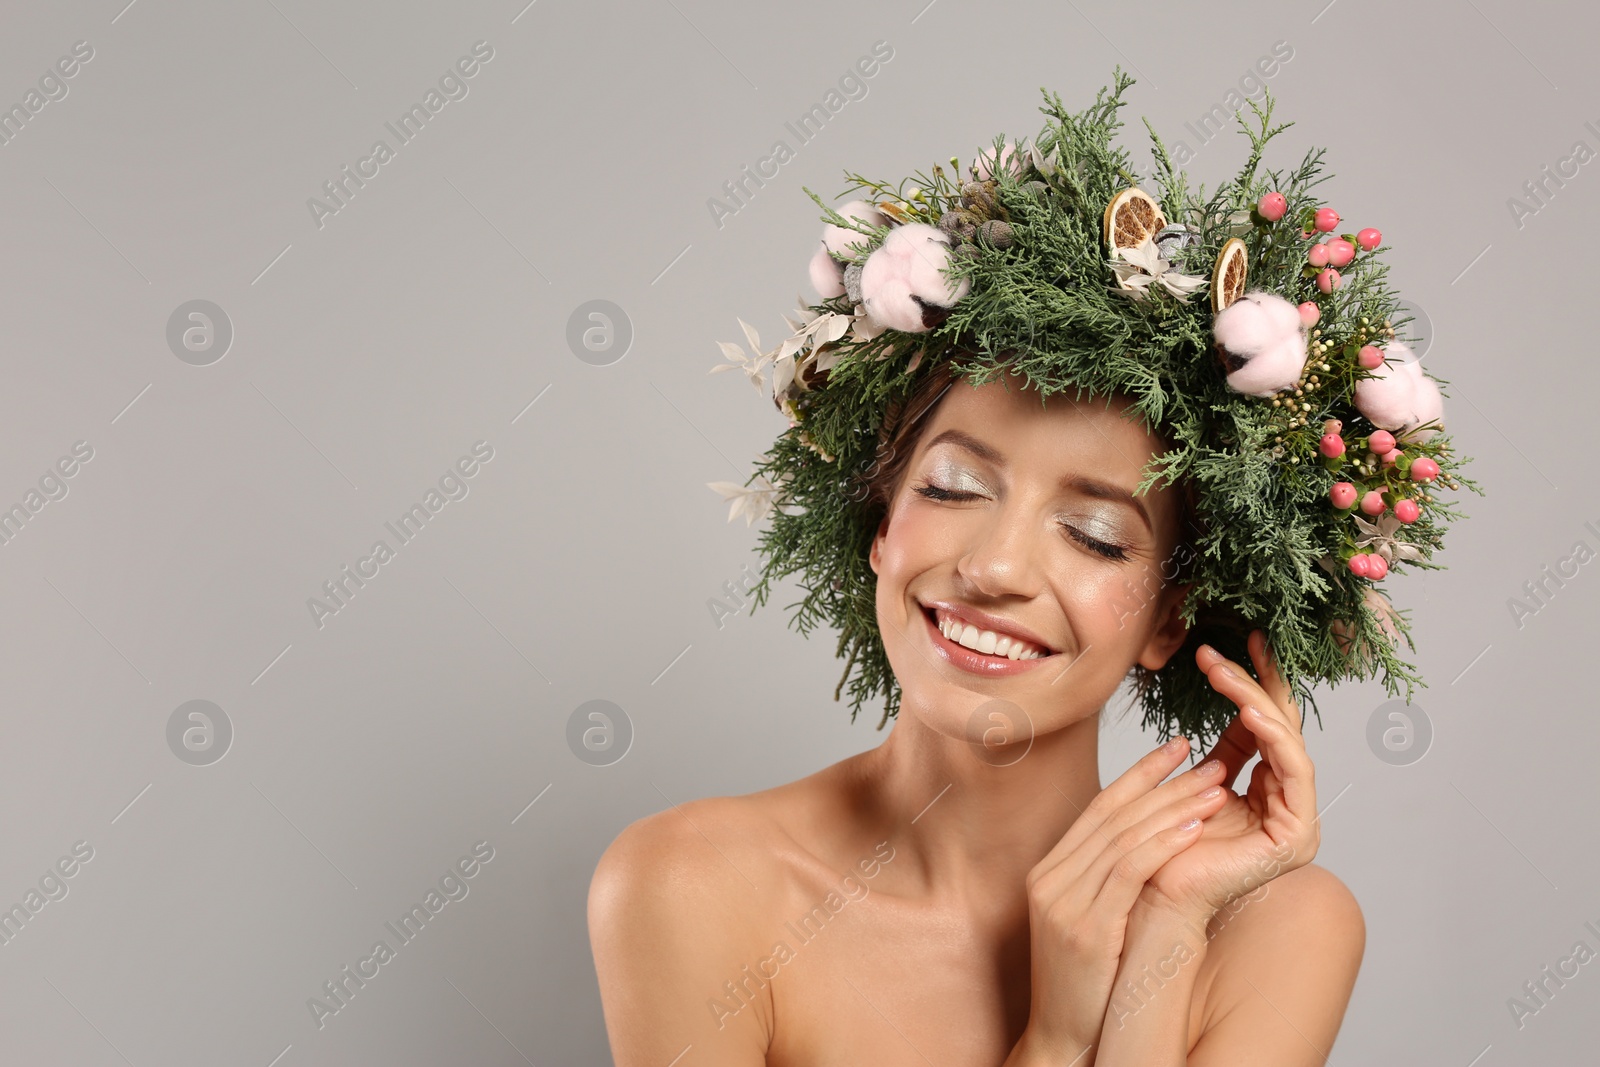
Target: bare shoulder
x=1308, y=894
x=679, y=854
x=672, y=906
x=1283, y=962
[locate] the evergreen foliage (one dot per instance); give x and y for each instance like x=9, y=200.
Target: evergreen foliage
x=1268, y=549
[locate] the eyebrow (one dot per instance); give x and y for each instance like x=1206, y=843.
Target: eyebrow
x=1087, y=486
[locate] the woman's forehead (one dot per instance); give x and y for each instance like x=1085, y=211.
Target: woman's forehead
x=1014, y=420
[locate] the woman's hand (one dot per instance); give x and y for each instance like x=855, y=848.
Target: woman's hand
x=1273, y=828
x=1081, y=893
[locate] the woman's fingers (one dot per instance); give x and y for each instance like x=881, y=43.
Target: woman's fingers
x=1113, y=883
x=1284, y=750
x=1135, y=782
x=1230, y=679
x=1234, y=748
x=1272, y=682
x=1092, y=836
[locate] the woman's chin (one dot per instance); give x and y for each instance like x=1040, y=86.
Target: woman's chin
x=982, y=715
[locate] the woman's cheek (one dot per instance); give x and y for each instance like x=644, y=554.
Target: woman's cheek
x=1109, y=599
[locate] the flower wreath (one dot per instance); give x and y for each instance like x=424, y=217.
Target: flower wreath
x=1312, y=436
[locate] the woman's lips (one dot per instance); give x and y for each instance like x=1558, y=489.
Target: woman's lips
x=971, y=660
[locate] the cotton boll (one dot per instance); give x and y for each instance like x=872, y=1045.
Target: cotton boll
x=1430, y=409
x=1261, y=342
x=902, y=283
x=838, y=239
x=827, y=276
x=1399, y=397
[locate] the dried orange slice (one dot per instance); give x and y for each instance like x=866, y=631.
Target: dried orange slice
x=1228, y=277
x=1130, y=219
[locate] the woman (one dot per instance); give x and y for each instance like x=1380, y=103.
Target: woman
x=1025, y=466
x=1018, y=913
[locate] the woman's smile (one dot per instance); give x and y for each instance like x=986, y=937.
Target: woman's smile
x=1006, y=656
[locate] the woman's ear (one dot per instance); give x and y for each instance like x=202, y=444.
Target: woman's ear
x=873, y=557
x=1170, y=632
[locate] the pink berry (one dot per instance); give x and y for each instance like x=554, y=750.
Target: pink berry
x=1328, y=280
x=1372, y=503
x=1309, y=314
x=1377, y=567
x=1381, y=441
x=1340, y=252
x=1424, y=469
x=1407, y=510
x=1370, y=357
x=1317, y=255
x=1390, y=456
x=1369, y=239
x=1331, y=445
x=1361, y=564
x=1272, y=206
x=1343, y=495
x=1326, y=219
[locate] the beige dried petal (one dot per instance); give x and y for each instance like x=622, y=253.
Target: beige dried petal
x=864, y=327
x=751, y=335
x=754, y=502
x=835, y=328
x=782, y=375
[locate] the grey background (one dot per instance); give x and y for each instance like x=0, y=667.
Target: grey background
x=369, y=354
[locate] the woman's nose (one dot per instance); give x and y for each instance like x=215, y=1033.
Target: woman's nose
x=1005, y=557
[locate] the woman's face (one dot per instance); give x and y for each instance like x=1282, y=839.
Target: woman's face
x=1019, y=517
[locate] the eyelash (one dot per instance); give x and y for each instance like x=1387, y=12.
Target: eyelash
x=1110, y=551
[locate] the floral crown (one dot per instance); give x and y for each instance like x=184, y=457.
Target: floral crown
x=1260, y=346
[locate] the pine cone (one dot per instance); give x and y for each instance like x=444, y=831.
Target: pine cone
x=978, y=198
x=996, y=234
x=959, y=223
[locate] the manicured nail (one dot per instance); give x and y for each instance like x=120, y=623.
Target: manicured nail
x=1190, y=825
x=1251, y=709
x=1176, y=743
x=1210, y=766
x=1214, y=791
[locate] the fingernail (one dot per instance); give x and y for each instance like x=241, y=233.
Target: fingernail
x=1210, y=766
x=1211, y=652
x=1214, y=791
x=1175, y=744
x=1251, y=709
x=1190, y=825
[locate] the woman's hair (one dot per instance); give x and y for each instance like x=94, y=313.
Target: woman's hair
x=899, y=435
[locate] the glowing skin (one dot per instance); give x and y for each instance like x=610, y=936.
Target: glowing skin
x=980, y=924
x=1047, y=533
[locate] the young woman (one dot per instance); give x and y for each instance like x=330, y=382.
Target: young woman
x=1071, y=472
x=953, y=898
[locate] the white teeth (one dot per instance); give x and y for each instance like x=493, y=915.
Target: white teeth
x=987, y=641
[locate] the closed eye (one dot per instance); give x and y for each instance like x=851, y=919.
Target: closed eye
x=1110, y=551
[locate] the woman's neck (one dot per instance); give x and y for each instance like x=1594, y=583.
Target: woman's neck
x=965, y=819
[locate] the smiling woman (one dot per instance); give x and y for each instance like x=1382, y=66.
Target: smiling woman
x=1094, y=510
x=1033, y=916
x=1035, y=496
x=1023, y=466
